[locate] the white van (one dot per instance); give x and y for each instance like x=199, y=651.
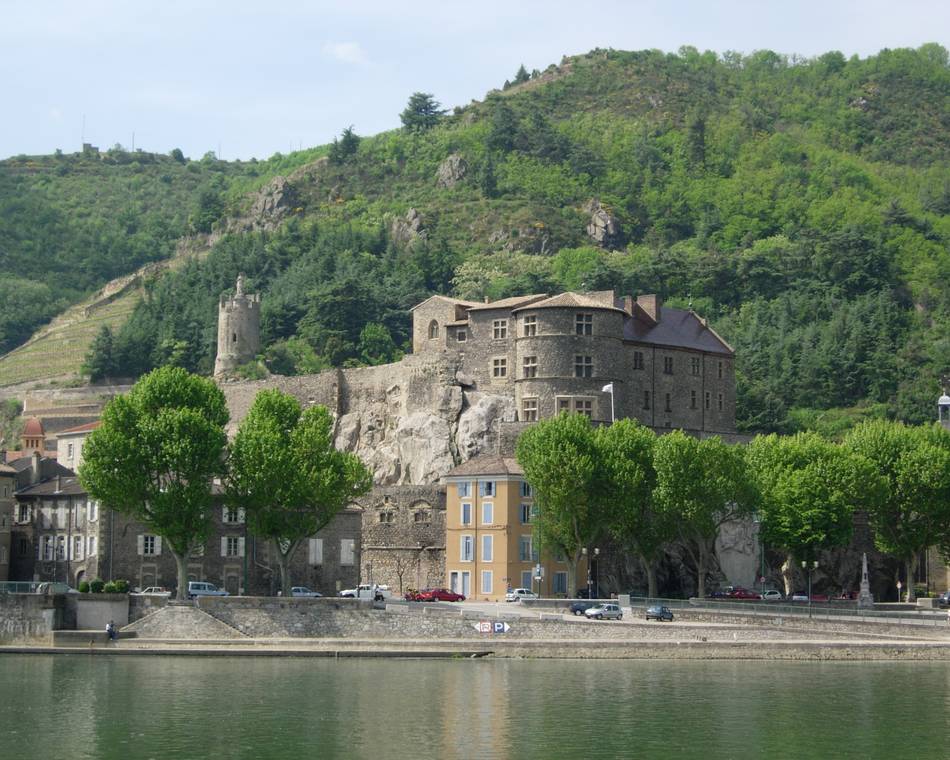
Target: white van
x=200, y=588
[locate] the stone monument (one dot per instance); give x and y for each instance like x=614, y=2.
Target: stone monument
x=865, y=598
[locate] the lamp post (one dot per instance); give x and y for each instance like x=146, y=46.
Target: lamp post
x=589, y=577
x=809, y=566
x=596, y=573
x=943, y=410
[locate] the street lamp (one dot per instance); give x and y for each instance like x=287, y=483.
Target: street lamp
x=943, y=410
x=596, y=572
x=809, y=566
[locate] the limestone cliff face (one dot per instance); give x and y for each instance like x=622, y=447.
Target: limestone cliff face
x=410, y=422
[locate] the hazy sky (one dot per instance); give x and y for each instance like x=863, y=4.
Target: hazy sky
x=253, y=78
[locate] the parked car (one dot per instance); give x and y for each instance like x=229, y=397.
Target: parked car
x=517, y=594
x=771, y=595
x=367, y=591
x=944, y=599
x=657, y=612
x=743, y=593
x=801, y=596
x=200, y=588
x=156, y=591
x=304, y=591
x=579, y=608
x=438, y=595
x=606, y=611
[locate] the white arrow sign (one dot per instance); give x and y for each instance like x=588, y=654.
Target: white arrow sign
x=487, y=626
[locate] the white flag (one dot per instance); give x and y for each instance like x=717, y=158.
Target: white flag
x=609, y=388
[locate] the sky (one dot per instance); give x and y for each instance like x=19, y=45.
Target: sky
x=248, y=79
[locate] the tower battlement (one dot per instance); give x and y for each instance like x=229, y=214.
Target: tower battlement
x=239, y=329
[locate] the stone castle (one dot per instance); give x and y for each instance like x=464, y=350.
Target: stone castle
x=239, y=329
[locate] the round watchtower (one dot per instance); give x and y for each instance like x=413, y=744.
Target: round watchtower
x=239, y=329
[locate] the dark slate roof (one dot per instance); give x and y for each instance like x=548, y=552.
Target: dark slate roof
x=66, y=487
x=487, y=465
x=678, y=328
x=48, y=466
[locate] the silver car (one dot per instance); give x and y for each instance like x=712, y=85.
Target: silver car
x=604, y=612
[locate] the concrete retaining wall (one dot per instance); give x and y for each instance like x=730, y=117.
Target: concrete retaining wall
x=32, y=617
x=93, y=611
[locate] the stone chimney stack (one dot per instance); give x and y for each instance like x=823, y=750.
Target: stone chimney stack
x=652, y=305
x=35, y=468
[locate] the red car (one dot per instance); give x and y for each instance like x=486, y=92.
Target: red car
x=439, y=595
x=743, y=593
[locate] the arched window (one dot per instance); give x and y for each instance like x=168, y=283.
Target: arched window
x=234, y=337
x=433, y=329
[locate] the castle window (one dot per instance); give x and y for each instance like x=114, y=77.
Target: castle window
x=692, y=399
x=638, y=359
x=422, y=516
x=386, y=517
x=583, y=366
x=433, y=329
x=499, y=368
x=461, y=336
x=584, y=324
x=563, y=405
x=720, y=370
x=646, y=399
x=706, y=400
x=499, y=329
x=694, y=365
x=720, y=402
x=530, y=325
x=529, y=410
x=530, y=366
x=668, y=407
x=668, y=365
x=584, y=406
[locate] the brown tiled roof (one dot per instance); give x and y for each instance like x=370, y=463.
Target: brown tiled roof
x=33, y=427
x=509, y=303
x=575, y=300
x=88, y=427
x=486, y=465
x=677, y=328
x=456, y=301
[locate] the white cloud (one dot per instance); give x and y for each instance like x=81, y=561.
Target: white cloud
x=346, y=52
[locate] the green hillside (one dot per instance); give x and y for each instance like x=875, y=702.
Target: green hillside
x=802, y=205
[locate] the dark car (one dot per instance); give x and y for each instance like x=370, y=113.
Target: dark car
x=656, y=612
x=579, y=608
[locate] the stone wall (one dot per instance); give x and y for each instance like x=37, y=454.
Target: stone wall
x=32, y=617
x=404, y=536
x=94, y=611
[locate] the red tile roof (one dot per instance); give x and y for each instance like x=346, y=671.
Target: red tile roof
x=88, y=427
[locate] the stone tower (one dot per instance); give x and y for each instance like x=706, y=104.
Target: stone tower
x=239, y=329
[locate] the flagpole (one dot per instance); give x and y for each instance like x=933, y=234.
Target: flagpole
x=609, y=388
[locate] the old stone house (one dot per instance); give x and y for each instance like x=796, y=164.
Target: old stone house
x=7, y=483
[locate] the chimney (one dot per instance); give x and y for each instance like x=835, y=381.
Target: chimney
x=628, y=305
x=651, y=304
x=59, y=484
x=35, y=468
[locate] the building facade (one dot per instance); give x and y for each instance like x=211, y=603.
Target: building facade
x=591, y=353
x=7, y=485
x=491, y=543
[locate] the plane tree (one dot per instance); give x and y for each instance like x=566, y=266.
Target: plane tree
x=155, y=456
x=285, y=472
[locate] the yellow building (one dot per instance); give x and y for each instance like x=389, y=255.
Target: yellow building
x=491, y=543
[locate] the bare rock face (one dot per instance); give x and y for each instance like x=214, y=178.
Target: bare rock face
x=451, y=171
x=737, y=548
x=477, y=433
x=274, y=202
x=408, y=230
x=603, y=228
x=422, y=441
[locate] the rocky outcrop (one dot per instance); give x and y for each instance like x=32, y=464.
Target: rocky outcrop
x=451, y=171
x=477, y=427
x=603, y=227
x=406, y=231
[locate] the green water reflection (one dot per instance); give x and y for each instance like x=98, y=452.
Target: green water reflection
x=184, y=707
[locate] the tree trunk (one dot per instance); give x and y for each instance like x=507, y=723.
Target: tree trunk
x=572, y=575
x=651, y=576
x=909, y=569
x=181, y=561
x=788, y=574
x=283, y=562
x=701, y=568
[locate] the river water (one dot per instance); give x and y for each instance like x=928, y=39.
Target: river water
x=81, y=706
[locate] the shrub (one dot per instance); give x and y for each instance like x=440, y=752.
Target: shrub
x=96, y=586
x=84, y=587
x=122, y=587
x=110, y=588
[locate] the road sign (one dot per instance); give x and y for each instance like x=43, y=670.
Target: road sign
x=482, y=626
x=499, y=627
x=488, y=626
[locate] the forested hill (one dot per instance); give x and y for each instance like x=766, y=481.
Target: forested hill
x=802, y=205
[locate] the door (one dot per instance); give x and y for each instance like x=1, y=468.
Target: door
x=231, y=584
x=466, y=584
x=454, y=582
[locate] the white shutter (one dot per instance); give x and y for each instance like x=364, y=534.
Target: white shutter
x=158, y=545
x=140, y=544
x=241, y=515
x=241, y=546
x=224, y=546
x=316, y=551
x=224, y=514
